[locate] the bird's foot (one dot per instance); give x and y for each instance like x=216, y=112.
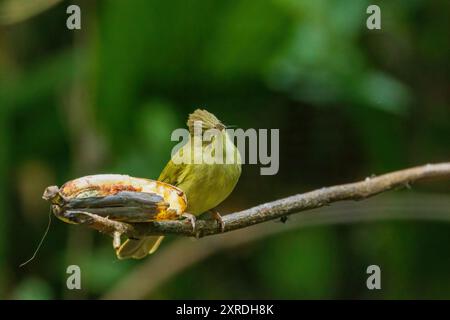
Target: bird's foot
x=191, y=218
x=216, y=215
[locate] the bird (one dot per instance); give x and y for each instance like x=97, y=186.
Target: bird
x=205, y=185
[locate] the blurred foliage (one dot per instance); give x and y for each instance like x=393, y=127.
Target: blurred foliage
x=349, y=102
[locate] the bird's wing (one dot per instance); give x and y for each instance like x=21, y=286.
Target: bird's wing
x=172, y=173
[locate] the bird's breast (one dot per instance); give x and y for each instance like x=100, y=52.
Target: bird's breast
x=208, y=185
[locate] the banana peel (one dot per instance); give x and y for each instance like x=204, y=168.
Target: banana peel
x=116, y=197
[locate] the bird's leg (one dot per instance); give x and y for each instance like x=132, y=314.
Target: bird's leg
x=216, y=215
x=191, y=218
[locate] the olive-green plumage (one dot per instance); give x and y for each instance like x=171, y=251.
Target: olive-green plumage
x=205, y=185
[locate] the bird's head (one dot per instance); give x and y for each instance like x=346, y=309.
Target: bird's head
x=206, y=119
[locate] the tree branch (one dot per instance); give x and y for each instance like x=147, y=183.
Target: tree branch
x=271, y=210
x=181, y=254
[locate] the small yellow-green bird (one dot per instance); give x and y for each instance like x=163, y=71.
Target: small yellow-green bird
x=205, y=185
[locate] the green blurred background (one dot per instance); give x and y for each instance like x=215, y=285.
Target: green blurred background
x=349, y=102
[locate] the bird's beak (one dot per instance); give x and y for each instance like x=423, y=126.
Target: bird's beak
x=220, y=126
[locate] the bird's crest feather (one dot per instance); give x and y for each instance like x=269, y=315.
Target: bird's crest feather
x=207, y=119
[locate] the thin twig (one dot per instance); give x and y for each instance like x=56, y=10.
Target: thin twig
x=279, y=208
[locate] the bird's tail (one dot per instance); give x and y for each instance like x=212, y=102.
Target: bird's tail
x=138, y=249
